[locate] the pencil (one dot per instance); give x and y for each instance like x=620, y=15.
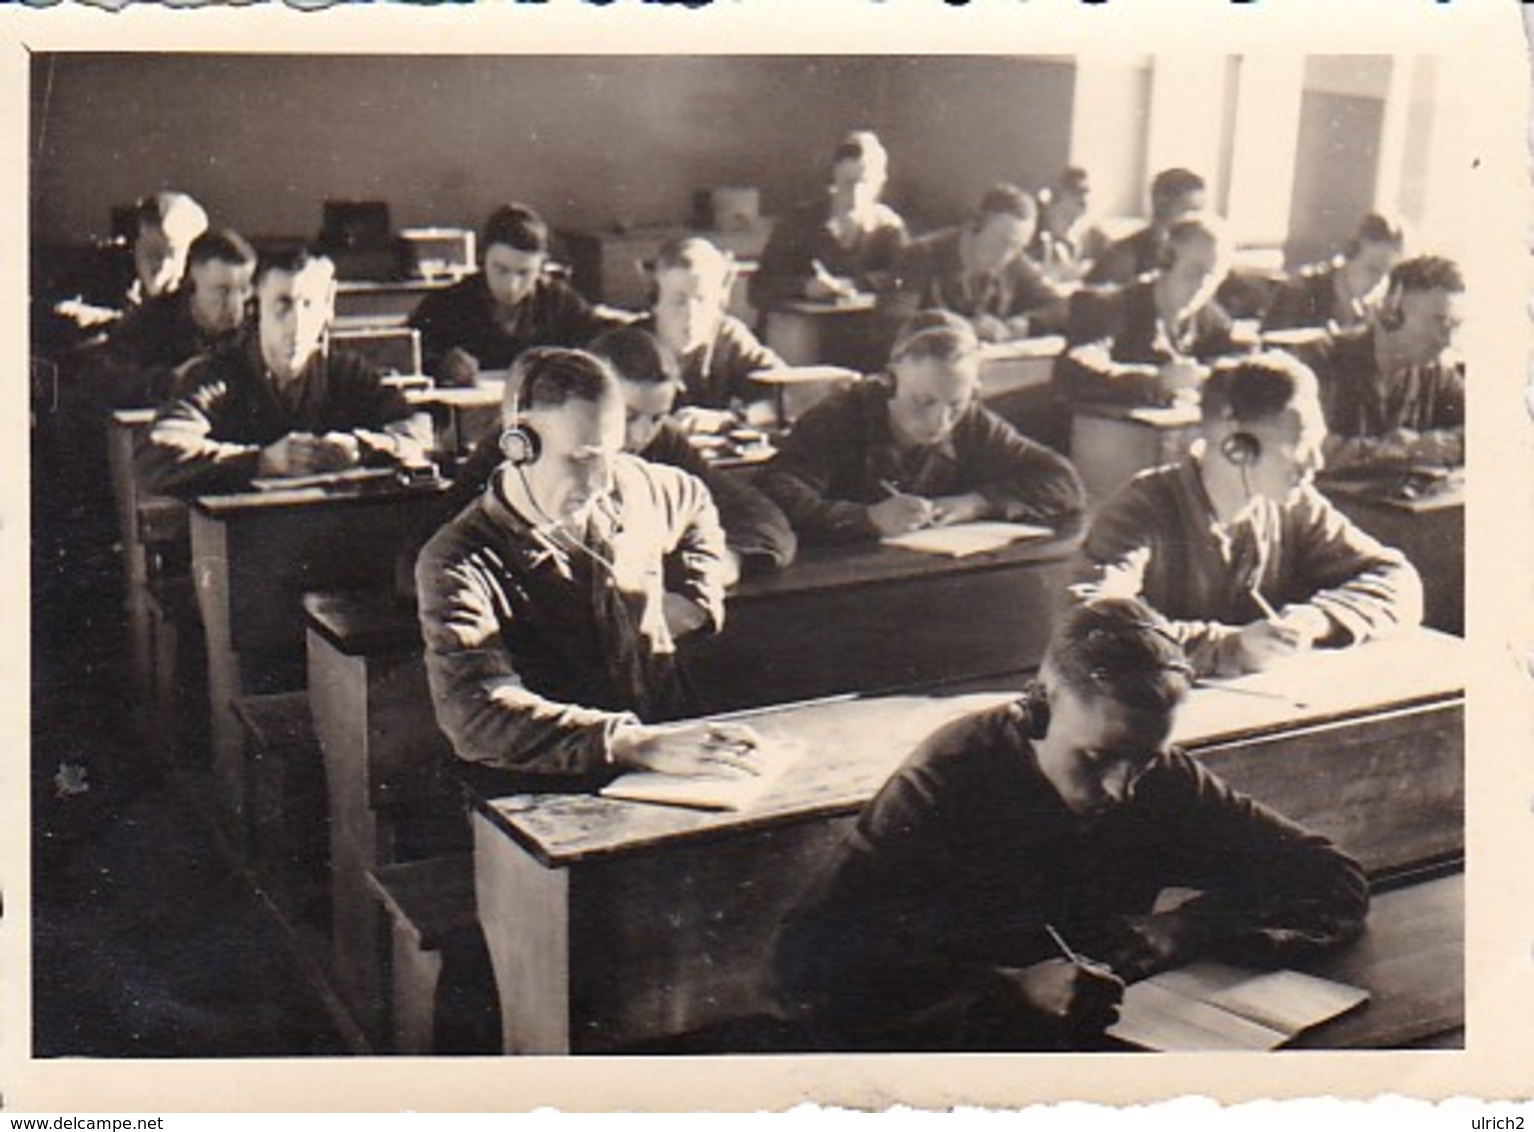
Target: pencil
x=1065, y=948
x=1265, y=605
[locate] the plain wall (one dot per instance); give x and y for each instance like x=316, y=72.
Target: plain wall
x=590, y=141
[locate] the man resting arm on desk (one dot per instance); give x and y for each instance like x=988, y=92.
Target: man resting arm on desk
x=915, y=449
x=1235, y=543
x=1047, y=824
x=549, y=628
x=277, y=405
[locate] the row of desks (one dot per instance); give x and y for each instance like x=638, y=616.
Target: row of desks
x=611, y=923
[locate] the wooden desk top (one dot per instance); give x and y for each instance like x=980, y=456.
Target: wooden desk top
x=361, y=623
x=1411, y=958
x=313, y=501
x=1384, y=491
x=857, y=743
x=827, y=308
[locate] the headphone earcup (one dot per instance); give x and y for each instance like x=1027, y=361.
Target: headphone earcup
x=520, y=445
x=1037, y=705
x=1389, y=316
x=1241, y=449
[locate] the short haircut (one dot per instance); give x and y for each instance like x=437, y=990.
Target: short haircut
x=1170, y=184
x=865, y=146
x=1375, y=228
x=1427, y=273
x=1122, y=649
x=516, y=226
x=1005, y=200
x=546, y=377
x=224, y=245
x=637, y=356
x=1258, y=387
x=937, y=334
x=690, y=253
x=291, y=259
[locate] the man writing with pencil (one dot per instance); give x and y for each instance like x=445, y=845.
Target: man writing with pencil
x=914, y=448
x=1009, y=880
x=1237, y=546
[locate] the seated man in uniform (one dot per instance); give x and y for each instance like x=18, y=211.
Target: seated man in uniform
x=549, y=615
x=834, y=248
x=1150, y=343
x=1344, y=293
x=1175, y=193
x=1394, y=395
x=979, y=270
x=137, y=365
x=915, y=448
x=756, y=532
x=1237, y=546
x=1049, y=822
x=278, y=405
x=1065, y=243
x=486, y=320
x=713, y=351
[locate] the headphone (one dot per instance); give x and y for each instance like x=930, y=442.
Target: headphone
x=1241, y=448
x=1036, y=704
x=520, y=443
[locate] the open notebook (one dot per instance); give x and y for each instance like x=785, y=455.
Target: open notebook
x=1214, y=1006
x=709, y=792
x=963, y=539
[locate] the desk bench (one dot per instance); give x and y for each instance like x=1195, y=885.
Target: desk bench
x=839, y=620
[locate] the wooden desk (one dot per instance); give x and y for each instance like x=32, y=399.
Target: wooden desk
x=254, y=555
x=362, y=303
x=611, y=922
x=1016, y=384
x=1429, y=531
x=853, y=333
x=1110, y=443
x=848, y=619
x=1411, y=958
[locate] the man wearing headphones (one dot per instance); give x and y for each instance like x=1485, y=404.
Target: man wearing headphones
x=1001, y=888
x=714, y=352
x=486, y=320
x=1237, y=547
x=1394, y=395
x=979, y=270
x=279, y=404
x=1151, y=342
x=549, y=616
x=915, y=448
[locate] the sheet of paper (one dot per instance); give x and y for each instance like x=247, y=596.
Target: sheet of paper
x=1156, y=1018
x=1285, y=1000
x=963, y=539
x=710, y=792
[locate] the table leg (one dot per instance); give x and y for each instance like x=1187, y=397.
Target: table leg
x=524, y=910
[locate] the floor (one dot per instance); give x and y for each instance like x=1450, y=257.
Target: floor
x=149, y=939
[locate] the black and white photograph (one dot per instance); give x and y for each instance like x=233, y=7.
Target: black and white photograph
x=672, y=555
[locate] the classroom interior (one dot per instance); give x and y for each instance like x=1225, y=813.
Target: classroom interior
x=261, y=853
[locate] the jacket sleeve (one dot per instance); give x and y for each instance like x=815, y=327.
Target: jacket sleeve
x=1272, y=890
x=1365, y=588
x=180, y=455
x=701, y=567
x=1089, y=371
x=798, y=479
x=482, y=705
x=1022, y=480
x=388, y=429
x=434, y=318
x=1119, y=558
x=1034, y=295
x=785, y=264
